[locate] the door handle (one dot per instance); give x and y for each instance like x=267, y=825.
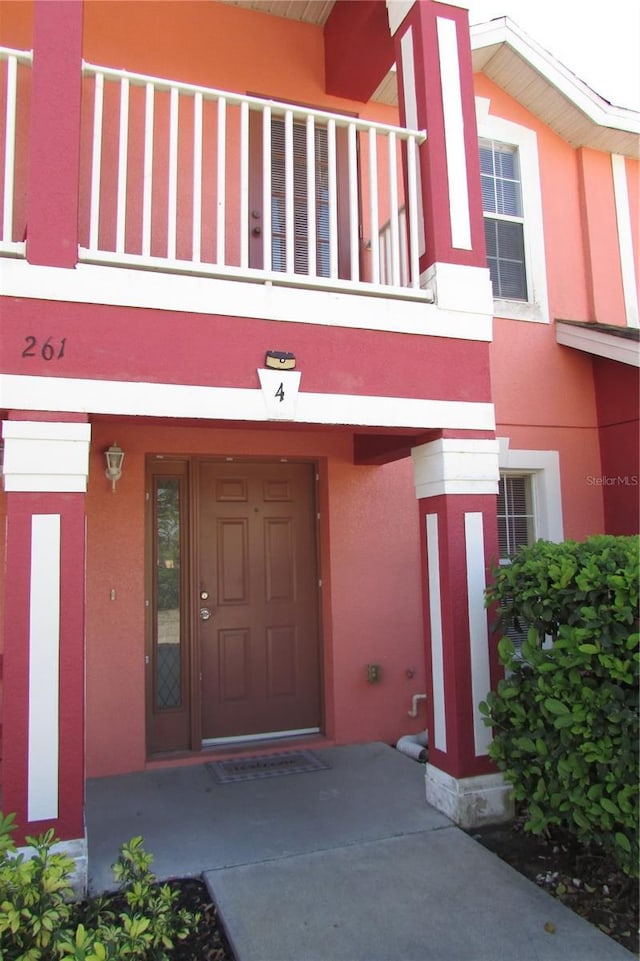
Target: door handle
x=205, y=613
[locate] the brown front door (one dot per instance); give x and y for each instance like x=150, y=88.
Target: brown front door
x=258, y=599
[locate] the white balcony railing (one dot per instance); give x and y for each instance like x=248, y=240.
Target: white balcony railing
x=181, y=177
x=15, y=83
x=394, y=256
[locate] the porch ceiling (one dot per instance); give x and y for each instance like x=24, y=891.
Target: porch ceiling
x=308, y=11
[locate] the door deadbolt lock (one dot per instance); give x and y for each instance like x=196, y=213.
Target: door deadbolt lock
x=205, y=613
x=204, y=595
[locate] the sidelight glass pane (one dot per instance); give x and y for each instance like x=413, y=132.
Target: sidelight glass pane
x=168, y=562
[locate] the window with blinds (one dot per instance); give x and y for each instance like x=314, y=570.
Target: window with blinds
x=503, y=219
x=515, y=529
x=515, y=514
x=300, y=211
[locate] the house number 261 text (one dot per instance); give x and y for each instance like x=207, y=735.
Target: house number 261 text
x=49, y=349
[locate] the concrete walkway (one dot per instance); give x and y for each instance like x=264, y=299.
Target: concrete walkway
x=343, y=864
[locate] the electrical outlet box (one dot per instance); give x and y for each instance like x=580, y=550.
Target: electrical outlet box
x=374, y=673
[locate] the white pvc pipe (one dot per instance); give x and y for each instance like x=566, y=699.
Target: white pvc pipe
x=414, y=704
x=413, y=745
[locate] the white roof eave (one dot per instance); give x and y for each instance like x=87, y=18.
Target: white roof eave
x=600, y=124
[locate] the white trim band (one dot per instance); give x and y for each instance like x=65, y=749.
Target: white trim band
x=398, y=310
x=234, y=403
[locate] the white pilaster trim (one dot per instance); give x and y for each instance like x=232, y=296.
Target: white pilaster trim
x=625, y=240
x=457, y=176
x=456, y=466
x=478, y=630
x=544, y=468
x=235, y=403
x=435, y=621
x=46, y=456
x=411, y=111
x=44, y=668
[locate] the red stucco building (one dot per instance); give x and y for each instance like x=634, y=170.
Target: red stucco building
x=355, y=290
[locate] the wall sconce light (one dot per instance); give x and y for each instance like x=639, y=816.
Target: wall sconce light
x=114, y=457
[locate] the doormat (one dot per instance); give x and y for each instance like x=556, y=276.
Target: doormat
x=266, y=765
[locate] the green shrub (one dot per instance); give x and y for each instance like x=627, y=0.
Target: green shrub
x=39, y=922
x=565, y=718
x=34, y=896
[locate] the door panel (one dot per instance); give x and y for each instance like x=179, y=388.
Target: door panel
x=232, y=543
x=259, y=648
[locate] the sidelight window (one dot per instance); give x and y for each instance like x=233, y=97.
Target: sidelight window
x=168, y=593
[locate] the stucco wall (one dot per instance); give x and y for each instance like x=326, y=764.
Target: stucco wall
x=619, y=477
x=371, y=608
x=545, y=395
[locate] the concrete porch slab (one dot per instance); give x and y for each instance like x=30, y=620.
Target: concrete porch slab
x=344, y=864
x=191, y=823
x=435, y=896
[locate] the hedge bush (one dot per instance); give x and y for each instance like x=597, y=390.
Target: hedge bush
x=565, y=718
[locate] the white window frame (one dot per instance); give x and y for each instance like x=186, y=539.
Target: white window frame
x=543, y=466
x=536, y=308
x=504, y=474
